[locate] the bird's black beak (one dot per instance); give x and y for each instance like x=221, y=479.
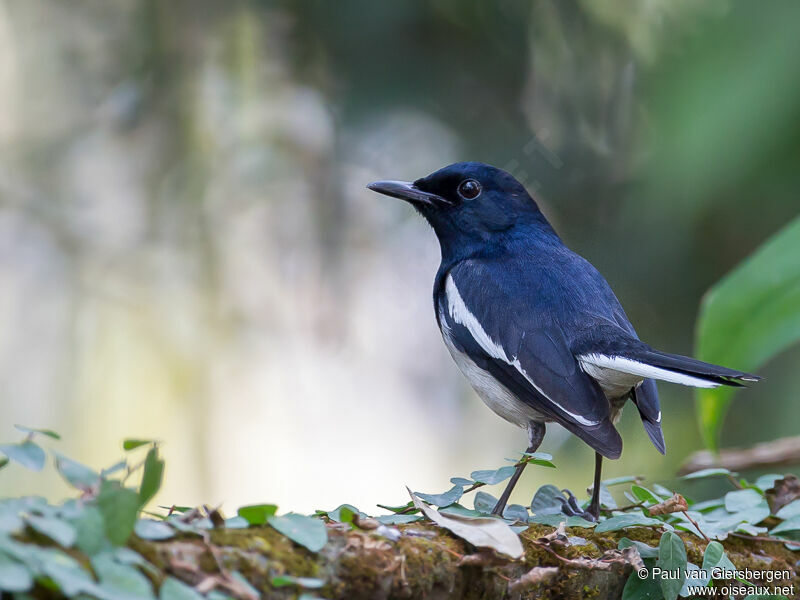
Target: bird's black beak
x=406, y=191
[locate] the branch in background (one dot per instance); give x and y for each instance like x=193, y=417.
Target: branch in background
x=778, y=453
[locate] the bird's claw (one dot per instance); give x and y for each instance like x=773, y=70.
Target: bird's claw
x=571, y=508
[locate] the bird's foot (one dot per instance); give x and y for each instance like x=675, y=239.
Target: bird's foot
x=571, y=508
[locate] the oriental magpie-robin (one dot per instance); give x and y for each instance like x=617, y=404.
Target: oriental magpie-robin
x=534, y=327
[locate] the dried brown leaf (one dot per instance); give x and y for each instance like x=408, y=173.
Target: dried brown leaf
x=482, y=532
x=536, y=576
x=482, y=558
x=365, y=522
x=671, y=505
x=558, y=537
x=782, y=492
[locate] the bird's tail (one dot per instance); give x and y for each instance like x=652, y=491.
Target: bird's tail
x=626, y=356
x=646, y=362
x=645, y=397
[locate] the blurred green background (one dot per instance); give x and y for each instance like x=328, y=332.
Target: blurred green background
x=189, y=253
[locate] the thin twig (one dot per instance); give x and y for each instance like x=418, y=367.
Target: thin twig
x=473, y=487
x=628, y=507
x=696, y=526
x=578, y=564
x=448, y=550
x=734, y=481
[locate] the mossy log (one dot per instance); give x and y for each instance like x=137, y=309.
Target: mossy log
x=427, y=562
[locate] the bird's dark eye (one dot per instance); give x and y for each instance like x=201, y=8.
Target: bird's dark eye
x=469, y=189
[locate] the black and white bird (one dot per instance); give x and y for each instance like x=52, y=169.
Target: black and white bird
x=534, y=327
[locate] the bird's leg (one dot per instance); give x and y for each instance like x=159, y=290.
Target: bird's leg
x=594, y=505
x=535, y=436
x=569, y=505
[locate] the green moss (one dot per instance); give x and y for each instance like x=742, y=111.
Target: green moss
x=423, y=563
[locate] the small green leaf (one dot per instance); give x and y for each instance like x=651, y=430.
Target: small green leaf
x=3, y=462
x=66, y=572
x=404, y=508
x=121, y=581
x=449, y=497
x=491, y=477
x=792, y=524
x=152, y=476
x=662, y=491
x=642, y=494
x=119, y=507
x=457, y=509
x=309, y=583
x=117, y=466
x=10, y=521
x=306, y=531
x=789, y=511
x=90, y=529
x=765, y=482
x=542, y=459
x=632, y=519
x=642, y=589
x=398, y=519
x=236, y=522
x=672, y=557
x=76, y=474
x=645, y=551
x=715, y=556
x=750, y=529
x=132, y=444
x=344, y=513
x=28, y=454
x=14, y=576
x=48, y=432
x=695, y=577
x=462, y=481
x=712, y=472
x=61, y=532
x=752, y=515
x=174, y=589
x=545, y=500
x=150, y=529
x=257, y=514
x=555, y=520
x=126, y=556
x=516, y=512
x=739, y=500
x=707, y=505
x=484, y=503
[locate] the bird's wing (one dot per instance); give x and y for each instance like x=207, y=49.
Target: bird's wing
x=524, y=348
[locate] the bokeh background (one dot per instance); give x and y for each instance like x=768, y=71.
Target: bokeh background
x=188, y=251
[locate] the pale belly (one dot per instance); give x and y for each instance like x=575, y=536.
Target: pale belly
x=494, y=394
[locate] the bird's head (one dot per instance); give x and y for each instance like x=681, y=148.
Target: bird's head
x=470, y=204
